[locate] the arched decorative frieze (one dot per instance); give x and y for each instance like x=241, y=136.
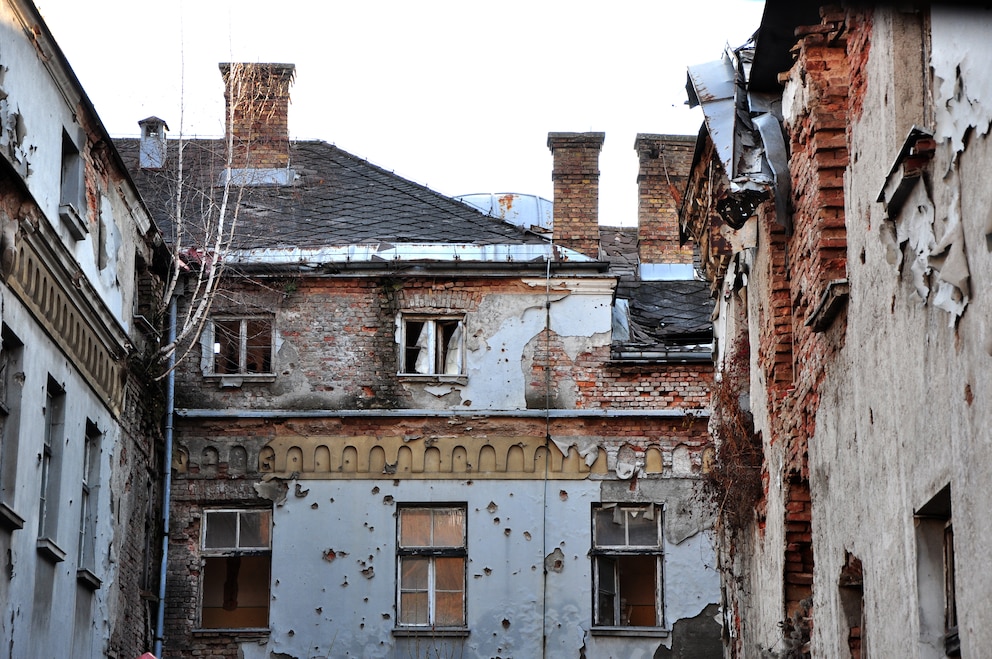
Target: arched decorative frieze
x=337, y=457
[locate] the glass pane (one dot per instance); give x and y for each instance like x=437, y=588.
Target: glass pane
x=254, y=529
x=227, y=345
x=258, y=358
x=413, y=573
x=415, y=527
x=221, y=529
x=449, y=527
x=416, y=357
x=642, y=532
x=449, y=574
x=608, y=532
x=413, y=608
x=449, y=610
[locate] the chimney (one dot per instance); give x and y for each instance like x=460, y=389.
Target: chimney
x=576, y=190
x=664, y=166
x=151, y=147
x=260, y=126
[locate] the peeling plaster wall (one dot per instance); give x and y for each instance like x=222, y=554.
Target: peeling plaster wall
x=340, y=603
x=904, y=410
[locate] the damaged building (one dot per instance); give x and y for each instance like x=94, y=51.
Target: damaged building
x=79, y=460
x=411, y=428
x=838, y=200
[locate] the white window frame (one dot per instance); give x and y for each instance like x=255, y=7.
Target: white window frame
x=85, y=552
x=609, y=612
x=239, y=549
x=431, y=553
x=53, y=442
x=212, y=346
x=425, y=352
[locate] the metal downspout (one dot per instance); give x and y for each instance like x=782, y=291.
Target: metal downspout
x=170, y=405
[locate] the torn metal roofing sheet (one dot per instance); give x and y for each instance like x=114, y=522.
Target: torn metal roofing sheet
x=746, y=133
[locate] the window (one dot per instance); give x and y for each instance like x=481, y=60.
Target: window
x=86, y=560
x=71, y=198
x=935, y=578
x=51, y=470
x=432, y=346
x=11, y=385
x=627, y=566
x=237, y=557
x=242, y=346
x=431, y=552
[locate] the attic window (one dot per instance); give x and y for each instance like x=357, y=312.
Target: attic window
x=241, y=346
x=432, y=346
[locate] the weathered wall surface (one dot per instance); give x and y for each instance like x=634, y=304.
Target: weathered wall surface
x=902, y=413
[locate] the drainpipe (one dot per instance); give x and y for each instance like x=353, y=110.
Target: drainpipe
x=170, y=405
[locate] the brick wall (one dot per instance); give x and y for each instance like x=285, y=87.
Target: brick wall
x=576, y=190
x=665, y=161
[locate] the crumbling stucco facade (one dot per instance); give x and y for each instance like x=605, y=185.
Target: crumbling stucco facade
x=380, y=355
x=78, y=462
x=856, y=315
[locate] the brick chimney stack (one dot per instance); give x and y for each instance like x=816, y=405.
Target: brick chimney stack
x=664, y=166
x=576, y=190
x=260, y=94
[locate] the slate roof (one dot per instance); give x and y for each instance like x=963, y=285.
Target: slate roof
x=337, y=199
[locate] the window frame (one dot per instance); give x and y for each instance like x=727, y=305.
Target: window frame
x=211, y=554
x=53, y=442
x=437, y=351
x=432, y=553
x=605, y=553
x=11, y=393
x=212, y=346
x=90, y=484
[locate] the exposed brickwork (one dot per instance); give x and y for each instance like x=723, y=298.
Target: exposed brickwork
x=665, y=161
x=260, y=120
x=576, y=190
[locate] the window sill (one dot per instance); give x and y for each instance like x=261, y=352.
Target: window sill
x=433, y=378
x=235, y=380
x=239, y=632
x=650, y=632
x=50, y=551
x=73, y=221
x=87, y=579
x=9, y=519
x=448, y=632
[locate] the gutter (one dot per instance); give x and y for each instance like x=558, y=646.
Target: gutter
x=410, y=413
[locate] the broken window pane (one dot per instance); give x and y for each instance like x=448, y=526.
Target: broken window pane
x=628, y=553
x=432, y=346
x=242, y=346
x=236, y=569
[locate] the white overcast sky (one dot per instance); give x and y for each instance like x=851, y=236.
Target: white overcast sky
x=455, y=94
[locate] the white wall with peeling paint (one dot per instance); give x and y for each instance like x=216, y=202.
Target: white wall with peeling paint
x=345, y=606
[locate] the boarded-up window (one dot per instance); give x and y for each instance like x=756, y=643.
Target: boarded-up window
x=431, y=552
x=237, y=555
x=627, y=557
